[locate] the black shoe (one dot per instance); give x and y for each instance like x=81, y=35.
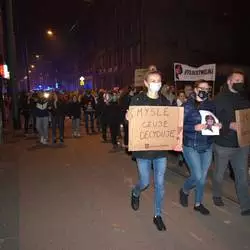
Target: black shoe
x=246, y=212
x=128, y=152
x=135, y=202
x=180, y=163
x=218, y=201
x=202, y=209
x=61, y=141
x=54, y=141
x=159, y=223
x=183, y=198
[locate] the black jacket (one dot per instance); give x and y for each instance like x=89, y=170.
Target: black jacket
x=226, y=103
x=114, y=114
x=75, y=110
x=59, y=108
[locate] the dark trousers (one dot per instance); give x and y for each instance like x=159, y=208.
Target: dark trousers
x=57, y=122
x=238, y=158
x=34, y=124
x=26, y=122
x=104, y=130
x=114, y=131
x=89, y=116
x=125, y=130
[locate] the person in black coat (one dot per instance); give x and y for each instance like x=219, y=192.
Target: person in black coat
x=114, y=119
x=58, y=111
x=75, y=114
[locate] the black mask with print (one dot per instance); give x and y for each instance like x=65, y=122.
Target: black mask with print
x=203, y=95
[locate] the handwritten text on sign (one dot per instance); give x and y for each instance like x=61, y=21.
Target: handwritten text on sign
x=155, y=128
x=243, y=131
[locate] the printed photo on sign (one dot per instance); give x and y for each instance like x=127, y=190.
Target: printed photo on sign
x=209, y=119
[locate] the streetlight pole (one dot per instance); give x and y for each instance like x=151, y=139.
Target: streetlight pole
x=11, y=52
x=27, y=66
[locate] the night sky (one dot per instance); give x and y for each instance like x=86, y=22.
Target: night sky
x=33, y=17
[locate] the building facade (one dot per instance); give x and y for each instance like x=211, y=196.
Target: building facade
x=131, y=34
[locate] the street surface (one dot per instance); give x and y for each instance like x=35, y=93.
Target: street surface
x=77, y=197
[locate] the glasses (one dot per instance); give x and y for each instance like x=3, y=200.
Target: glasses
x=204, y=89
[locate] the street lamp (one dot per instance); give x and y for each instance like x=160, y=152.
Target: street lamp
x=37, y=56
x=50, y=33
x=32, y=66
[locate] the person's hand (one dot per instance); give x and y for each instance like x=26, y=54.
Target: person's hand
x=219, y=125
x=128, y=115
x=178, y=148
x=200, y=127
x=233, y=126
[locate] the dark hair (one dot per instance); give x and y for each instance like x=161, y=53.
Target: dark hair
x=209, y=117
x=181, y=91
x=236, y=71
x=152, y=72
x=197, y=83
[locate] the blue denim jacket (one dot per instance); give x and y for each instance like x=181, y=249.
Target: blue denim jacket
x=192, y=117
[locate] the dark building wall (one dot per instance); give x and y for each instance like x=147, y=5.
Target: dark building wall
x=134, y=34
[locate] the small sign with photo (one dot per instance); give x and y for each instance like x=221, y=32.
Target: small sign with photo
x=209, y=119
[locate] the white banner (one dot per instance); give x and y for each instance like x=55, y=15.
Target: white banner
x=183, y=72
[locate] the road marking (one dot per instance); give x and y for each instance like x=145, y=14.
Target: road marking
x=176, y=204
x=228, y=222
x=222, y=210
x=193, y=235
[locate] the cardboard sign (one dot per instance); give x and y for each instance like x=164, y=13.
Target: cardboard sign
x=139, y=77
x=243, y=130
x=155, y=128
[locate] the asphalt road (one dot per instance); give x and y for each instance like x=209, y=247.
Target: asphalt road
x=77, y=197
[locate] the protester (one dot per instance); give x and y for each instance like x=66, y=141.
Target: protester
x=227, y=146
x=197, y=148
x=58, y=112
x=75, y=115
x=42, y=117
x=145, y=159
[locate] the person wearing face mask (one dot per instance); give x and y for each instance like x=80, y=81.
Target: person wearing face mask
x=197, y=148
x=145, y=159
x=227, y=147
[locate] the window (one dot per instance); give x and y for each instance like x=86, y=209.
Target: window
x=131, y=56
x=138, y=54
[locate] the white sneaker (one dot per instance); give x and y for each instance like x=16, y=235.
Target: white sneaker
x=78, y=134
x=42, y=139
x=45, y=141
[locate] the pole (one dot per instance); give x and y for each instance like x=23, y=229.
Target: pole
x=11, y=52
x=27, y=66
x=1, y=111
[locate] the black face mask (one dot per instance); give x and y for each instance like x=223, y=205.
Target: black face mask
x=238, y=86
x=203, y=95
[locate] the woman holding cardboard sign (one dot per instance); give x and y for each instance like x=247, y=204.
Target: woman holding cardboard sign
x=197, y=148
x=145, y=159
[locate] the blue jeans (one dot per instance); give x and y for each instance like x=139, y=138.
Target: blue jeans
x=198, y=163
x=144, y=169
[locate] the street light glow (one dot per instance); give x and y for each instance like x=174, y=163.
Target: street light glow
x=37, y=56
x=50, y=33
x=32, y=66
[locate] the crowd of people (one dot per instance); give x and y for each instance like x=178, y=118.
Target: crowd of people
x=107, y=111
